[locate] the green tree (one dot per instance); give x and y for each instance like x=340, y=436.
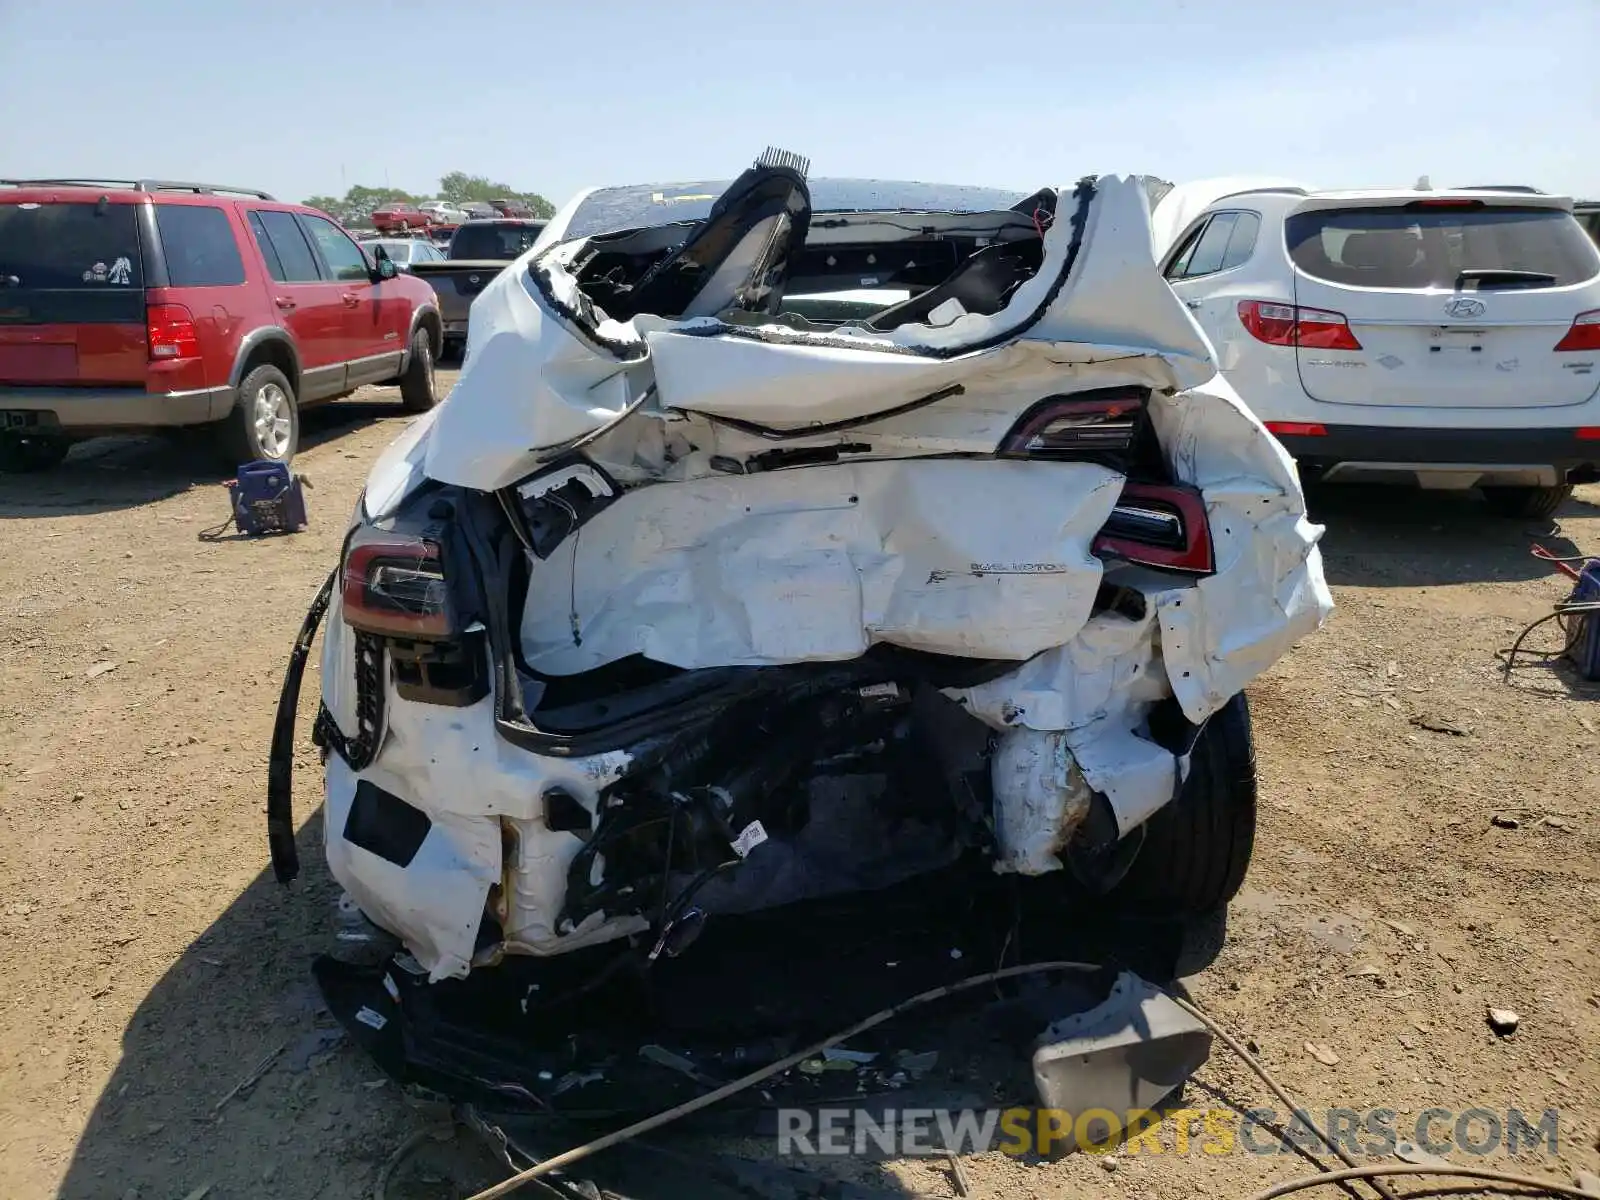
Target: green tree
x=458, y=187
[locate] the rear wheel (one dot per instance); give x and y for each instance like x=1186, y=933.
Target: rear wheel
x=416, y=385
x=265, y=422
x=1196, y=850
x=19, y=455
x=1527, y=501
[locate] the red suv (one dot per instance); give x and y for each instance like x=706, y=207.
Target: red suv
x=128, y=307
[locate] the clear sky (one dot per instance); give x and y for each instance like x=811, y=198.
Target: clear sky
x=301, y=98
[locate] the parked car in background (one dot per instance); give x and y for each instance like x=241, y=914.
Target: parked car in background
x=511, y=208
x=479, y=250
x=404, y=252
x=443, y=212
x=144, y=305
x=479, y=210
x=399, y=218
x=1448, y=338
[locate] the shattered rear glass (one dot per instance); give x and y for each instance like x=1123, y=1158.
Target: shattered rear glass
x=637, y=206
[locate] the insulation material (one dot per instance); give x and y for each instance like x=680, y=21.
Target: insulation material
x=1040, y=797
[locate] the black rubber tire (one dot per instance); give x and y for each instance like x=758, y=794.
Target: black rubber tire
x=22, y=455
x=1197, y=849
x=237, y=437
x=417, y=391
x=1526, y=502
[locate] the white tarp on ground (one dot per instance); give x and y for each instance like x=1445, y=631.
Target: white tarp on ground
x=965, y=556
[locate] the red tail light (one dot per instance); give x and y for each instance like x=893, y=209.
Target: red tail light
x=1159, y=525
x=1296, y=428
x=393, y=585
x=1295, y=325
x=170, y=331
x=1584, y=334
x=1072, y=426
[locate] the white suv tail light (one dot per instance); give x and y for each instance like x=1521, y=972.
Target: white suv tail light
x=1296, y=325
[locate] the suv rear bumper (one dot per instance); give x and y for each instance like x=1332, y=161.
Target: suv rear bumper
x=1446, y=457
x=105, y=410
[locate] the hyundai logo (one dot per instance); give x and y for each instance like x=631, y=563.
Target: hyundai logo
x=1461, y=306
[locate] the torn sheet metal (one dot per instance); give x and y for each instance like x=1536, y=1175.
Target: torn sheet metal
x=535, y=337
x=820, y=564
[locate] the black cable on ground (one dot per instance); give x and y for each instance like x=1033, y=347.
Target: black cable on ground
x=568, y=1157
x=1276, y=1088
x=1503, y=1179
x=1559, y=613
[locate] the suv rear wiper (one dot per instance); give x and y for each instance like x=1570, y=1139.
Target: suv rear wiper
x=1494, y=275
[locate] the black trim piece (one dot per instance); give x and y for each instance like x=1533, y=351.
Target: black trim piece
x=782, y=435
x=582, y=320
x=260, y=337
x=1411, y=444
x=280, y=760
x=382, y=823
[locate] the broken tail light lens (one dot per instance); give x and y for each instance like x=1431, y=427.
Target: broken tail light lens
x=1077, y=426
x=1584, y=334
x=1159, y=525
x=393, y=585
x=1296, y=325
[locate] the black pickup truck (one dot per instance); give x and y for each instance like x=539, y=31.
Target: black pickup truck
x=478, y=252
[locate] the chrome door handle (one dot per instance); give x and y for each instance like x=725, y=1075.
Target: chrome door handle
x=350, y=299
x=1191, y=304
x=283, y=302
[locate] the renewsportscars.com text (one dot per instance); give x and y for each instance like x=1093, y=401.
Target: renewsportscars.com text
x=909, y=1132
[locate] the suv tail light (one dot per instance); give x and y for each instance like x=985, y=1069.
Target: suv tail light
x=1296, y=428
x=1295, y=325
x=1584, y=334
x=393, y=585
x=1159, y=525
x=170, y=331
x=1073, y=426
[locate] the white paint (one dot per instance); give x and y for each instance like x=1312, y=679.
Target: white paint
x=964, y=554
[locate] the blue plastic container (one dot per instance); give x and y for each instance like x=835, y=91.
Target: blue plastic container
x=267, y=498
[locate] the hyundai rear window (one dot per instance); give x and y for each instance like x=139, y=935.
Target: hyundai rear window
x=69, y=245
x=1442, y=247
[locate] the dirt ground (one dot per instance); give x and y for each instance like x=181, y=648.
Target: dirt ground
x=148, y=963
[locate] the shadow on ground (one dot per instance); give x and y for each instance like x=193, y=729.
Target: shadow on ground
x=1407, y=537
x=314, y=1118
x=114, y=473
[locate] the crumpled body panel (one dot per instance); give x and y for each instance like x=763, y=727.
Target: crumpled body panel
x=929, y=543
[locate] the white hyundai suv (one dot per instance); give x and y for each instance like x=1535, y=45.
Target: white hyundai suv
x=1451, y=338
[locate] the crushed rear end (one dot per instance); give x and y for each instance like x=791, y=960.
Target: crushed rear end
x=684, y=607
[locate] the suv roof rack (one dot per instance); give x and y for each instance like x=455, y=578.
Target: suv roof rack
x=145, y=185
x=1501, y=187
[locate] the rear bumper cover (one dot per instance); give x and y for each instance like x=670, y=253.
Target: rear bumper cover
x=1446, y=448
x=73, y=409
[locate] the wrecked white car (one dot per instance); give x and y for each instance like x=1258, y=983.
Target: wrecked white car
x=790, y=539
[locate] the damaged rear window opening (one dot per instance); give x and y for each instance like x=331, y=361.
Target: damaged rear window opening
x=823, y=579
